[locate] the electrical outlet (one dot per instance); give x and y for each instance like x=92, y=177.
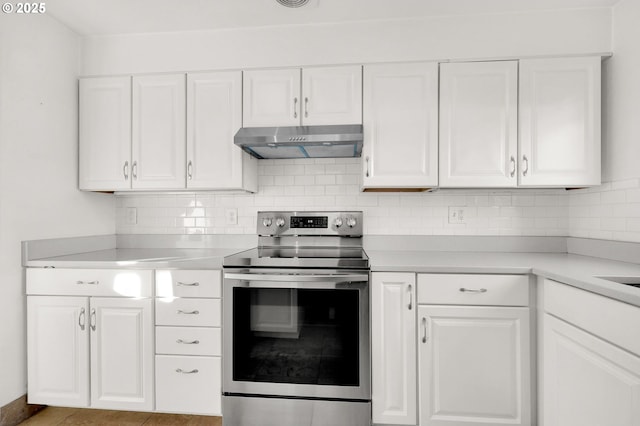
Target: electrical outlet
x=132, y=215
x=231, y=216
x=456, y=215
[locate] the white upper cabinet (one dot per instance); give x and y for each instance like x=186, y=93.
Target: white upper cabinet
x=560, y=122
x=271, y=98
x=294, y=97
x=105, y=133
x=214, y=115
x=332, y=95
x=478, y=124
x=400, y=119
x=158, y=151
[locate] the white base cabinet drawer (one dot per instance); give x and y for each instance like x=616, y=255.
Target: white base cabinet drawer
x=189, y=341
x=188, y=384
x=188, y=312
x=189, y=283
x=89, y=282
x=473, y=289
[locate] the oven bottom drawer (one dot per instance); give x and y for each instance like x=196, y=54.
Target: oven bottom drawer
x=188, y=384
x=252, y=411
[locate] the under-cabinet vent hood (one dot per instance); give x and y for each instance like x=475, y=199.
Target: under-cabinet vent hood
x=301, y=141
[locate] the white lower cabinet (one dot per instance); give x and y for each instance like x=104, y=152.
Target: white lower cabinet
x=393, y=344
x=474, y=361
x=188, y=384
x=90, y=352
x=591, y=359
x=188, y=342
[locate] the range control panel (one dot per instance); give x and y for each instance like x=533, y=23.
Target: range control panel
x=346, y=224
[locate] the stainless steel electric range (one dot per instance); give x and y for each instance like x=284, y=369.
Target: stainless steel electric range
x=296, y=346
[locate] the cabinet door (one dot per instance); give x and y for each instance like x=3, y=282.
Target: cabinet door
x=478, y=124
x=393, y=344
x=587, y=381
x=400, y=119
x=121, y=354
x=214, y=115
x=271, y=98
x=474, y=365
x=332, y=95
x=58, y=350
x=158, y=132
x=105, y=133
x=560, y=122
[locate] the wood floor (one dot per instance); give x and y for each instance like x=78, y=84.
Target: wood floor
x=52, y=416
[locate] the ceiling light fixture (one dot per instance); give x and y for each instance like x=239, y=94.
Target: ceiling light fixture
x=293, y=3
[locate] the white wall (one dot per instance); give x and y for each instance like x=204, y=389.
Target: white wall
x=612, y=211
x=39, y=62
x=481, y=36
x=621, y=89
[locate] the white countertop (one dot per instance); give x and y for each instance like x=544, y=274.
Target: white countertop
x=576, y=270
x=142, y=258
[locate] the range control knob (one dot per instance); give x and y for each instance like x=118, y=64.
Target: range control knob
x=266, y=222
x=351, y=222
x=280, y=222
x=338, y=222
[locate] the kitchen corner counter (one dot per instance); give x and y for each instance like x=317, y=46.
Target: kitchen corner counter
x=576, y=270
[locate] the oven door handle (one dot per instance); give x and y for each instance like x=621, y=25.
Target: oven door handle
x=299, y=278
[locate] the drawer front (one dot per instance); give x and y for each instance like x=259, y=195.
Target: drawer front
x=188, y=341
x=89, y=282
x=188, y=384
x=188, y=283
x=473, y=289
x=188, y=312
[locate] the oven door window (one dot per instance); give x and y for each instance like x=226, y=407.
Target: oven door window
x=299, y=336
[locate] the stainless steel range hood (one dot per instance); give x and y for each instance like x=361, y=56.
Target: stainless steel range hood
x=301, y=141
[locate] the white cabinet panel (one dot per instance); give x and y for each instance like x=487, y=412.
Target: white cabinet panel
x=122, y=353
x=188, y=283
x=400, y=119
x=214, y=115
x=271, y=98
x=158, y=152
x=587, y=381
x=473, y=289
x=189, y=340
x=393, y=344
x=478, y=124
x=189, y=384
x=474, y=365
x=332, y=95
x=188, y=312
x=560, y=122
x=105, y=133
x=58, y=350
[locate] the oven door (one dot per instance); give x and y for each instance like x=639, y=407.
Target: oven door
x=297, y=334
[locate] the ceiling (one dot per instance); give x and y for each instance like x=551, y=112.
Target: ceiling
x=94, y=17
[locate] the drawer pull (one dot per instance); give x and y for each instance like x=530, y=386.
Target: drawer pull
x=181, y=371
x=180, y=311
x=470, y=290
x=424, y=327
x=184, y=342
x=194, y=284
x=96, y=282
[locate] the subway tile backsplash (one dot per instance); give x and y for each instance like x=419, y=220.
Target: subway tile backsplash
x=610, y=211
x=334, y=184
